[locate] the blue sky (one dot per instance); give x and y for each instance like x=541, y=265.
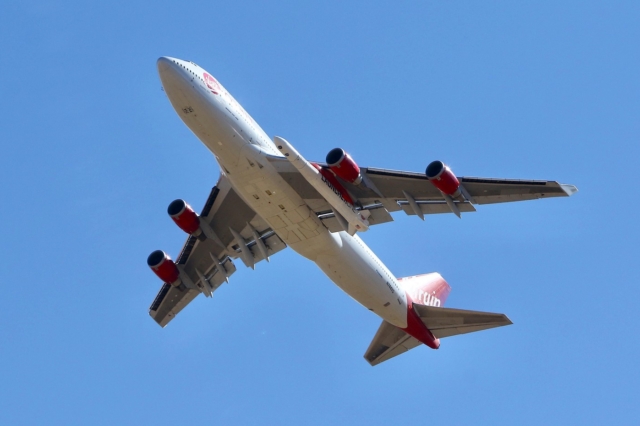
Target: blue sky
x=92, y=153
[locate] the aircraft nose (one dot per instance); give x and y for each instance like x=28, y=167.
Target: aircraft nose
x=169, y=71
x=164, y=63
x=173, y=77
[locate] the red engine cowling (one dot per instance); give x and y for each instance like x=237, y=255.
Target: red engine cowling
x=334, y=182
x=343, y=166
x=162, y=265
x=184, y=216
x=441, y=176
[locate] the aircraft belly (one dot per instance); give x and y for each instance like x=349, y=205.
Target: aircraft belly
x=265, y=191
x=346, y=260
x=252, y=176
x=360, y=274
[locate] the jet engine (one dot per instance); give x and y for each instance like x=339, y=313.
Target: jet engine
x=441, y=176
x=331, y=178
x=343, y=166
x=162, y=265
x=184, y=216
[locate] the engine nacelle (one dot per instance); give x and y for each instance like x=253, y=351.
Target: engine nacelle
x=162, y=265
x=343, y=166
x=441, y=176
x=331, y=178
x=184, y=216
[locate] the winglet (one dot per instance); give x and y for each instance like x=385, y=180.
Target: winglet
x=569, y=189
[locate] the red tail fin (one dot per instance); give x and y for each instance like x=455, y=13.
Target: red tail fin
x=426, y=289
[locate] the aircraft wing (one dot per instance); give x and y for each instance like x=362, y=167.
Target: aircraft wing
x=383, y=191
x=208, y=262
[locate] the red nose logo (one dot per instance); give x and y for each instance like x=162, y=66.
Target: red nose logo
x=211, y=83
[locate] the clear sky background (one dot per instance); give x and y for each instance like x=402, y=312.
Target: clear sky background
x=92, y=154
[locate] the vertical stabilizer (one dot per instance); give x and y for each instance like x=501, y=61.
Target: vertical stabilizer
x=426, y=289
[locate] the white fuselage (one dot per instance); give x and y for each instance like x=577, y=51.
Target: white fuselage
x=241, y=148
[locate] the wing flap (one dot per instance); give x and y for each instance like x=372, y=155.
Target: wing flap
x=435, y=207
x=490, y=191
x=378, y=215
x=169, y=302
x=445, y=322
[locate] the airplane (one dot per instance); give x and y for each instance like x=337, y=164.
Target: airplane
x=269, y=197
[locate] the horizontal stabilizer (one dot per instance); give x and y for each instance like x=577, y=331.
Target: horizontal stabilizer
x=388, y=342
x=445, y=322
